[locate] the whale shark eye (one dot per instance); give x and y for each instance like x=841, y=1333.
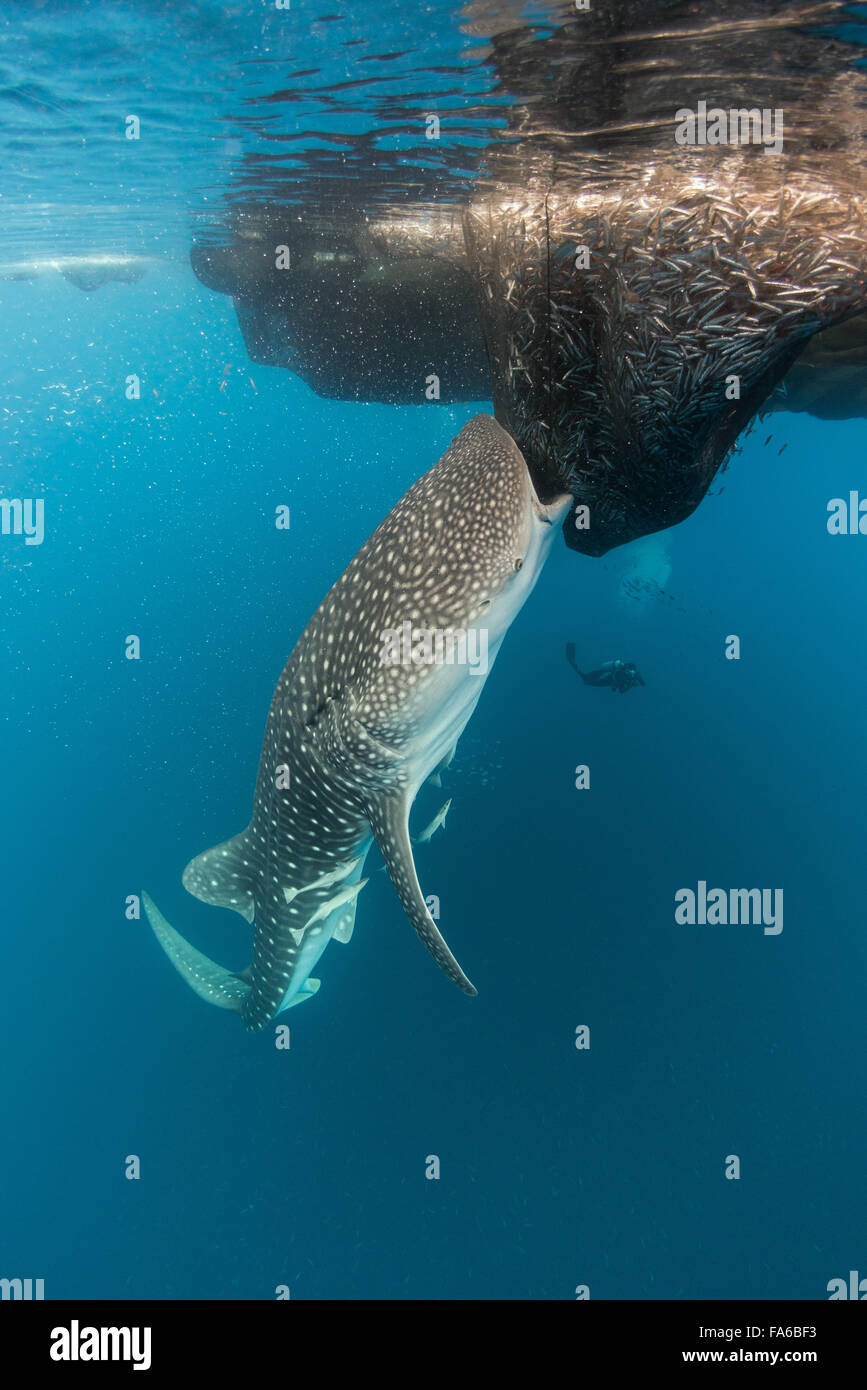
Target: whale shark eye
x=518, y=564
x=484, y=605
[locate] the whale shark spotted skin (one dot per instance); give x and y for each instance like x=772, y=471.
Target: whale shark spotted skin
x=351, y=737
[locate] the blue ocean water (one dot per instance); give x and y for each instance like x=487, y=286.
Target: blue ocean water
x=559, y=1167
x=307, y=1167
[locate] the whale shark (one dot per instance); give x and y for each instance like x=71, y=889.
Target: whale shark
x=352, y=734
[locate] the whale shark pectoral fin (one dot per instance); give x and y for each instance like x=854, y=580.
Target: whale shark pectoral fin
x=389, y=821
x=221, y=876
x=209, y=980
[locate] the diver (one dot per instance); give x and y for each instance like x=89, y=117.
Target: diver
x=619, y=675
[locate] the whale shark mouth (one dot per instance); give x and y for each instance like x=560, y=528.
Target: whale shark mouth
x=627, y=300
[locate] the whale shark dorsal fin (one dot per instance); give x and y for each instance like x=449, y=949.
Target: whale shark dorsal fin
x=222, y=876
x=389, y=821
x=210, y=981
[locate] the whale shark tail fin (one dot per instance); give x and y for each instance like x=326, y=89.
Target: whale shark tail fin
x=209, y=980
x=389, y=821
x=220, y=876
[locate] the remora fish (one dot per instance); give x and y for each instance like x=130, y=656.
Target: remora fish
x=438, y=820
x=351, y=737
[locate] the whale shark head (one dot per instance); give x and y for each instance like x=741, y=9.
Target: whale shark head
x=458, y=555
